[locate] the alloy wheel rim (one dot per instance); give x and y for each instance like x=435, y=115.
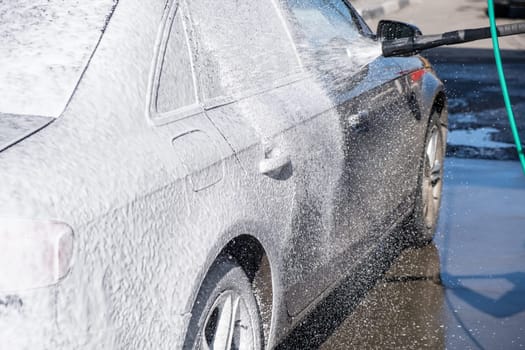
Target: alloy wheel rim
x=228, y=324
x=433, y=174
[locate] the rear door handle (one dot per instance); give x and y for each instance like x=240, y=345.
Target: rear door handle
x=274, y=164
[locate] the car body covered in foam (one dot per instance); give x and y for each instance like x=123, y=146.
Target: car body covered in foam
x=169, y=133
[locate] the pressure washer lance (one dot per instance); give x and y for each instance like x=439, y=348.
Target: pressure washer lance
x=413, y=45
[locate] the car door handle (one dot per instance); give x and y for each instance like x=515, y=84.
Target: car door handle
x=358, y=122
x=274, y=164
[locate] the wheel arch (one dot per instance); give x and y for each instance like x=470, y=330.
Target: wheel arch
x=433, y=97
x=251, y=255
x=250, y=246
x=440, y=105
x=440, y=102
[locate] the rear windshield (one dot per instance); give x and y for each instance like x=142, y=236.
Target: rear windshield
x=45, y=46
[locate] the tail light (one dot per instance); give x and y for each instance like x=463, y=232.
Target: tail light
x=33, y=254
x=415, y=77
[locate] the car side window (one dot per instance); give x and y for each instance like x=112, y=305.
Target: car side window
x=240, y=46
x=324, y=21
x=176, y=88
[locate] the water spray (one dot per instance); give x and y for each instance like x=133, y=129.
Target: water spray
x=408, y=40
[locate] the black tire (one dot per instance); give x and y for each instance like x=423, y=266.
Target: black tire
x=500, y=10
x=423, y=222
x=225, y=288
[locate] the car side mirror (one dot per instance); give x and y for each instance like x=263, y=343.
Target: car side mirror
x=391, y=30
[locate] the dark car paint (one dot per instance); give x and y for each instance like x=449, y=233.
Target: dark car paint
x=384, y=89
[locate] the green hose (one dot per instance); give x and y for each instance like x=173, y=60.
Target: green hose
x=503, y=82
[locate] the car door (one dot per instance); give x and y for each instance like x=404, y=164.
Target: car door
x=273, y=115
x=381, y=138
x=367, y=91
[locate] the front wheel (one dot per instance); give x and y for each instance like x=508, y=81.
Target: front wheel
x=423, y=222
x=225, y=315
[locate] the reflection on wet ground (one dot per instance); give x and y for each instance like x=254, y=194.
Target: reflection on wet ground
x=403, y=310
x=481, y=241
x=466, y=290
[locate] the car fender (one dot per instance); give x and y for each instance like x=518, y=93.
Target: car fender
x=433, y=95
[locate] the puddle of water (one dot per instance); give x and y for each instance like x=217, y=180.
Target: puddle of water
x=475, y=138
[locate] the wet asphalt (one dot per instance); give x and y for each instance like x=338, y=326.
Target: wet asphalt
x=475, y=101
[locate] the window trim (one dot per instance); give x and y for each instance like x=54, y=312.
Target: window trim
x=365, y=30
x=161, y=43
